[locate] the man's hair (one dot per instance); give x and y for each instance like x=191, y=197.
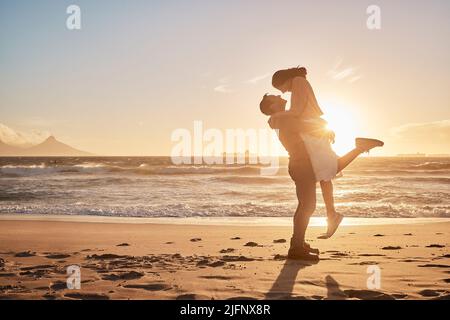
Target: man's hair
x=281, y=76
x=266, y=103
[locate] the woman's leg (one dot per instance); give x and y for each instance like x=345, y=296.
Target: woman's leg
x=345, y=160
x=328, y=198
x=333, y=218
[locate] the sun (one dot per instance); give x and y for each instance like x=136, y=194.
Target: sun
x=344, y=122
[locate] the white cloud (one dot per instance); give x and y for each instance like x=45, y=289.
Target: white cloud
x=428, y=130
x=22, y=139
x=225, y=79
x=354, y=79
x=339, y=72
x=428, y=137
x=256, y=79
x=223, y=89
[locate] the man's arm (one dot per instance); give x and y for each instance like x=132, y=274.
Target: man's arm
x=292, y=122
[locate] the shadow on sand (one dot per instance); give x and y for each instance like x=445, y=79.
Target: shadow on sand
x=283, y=287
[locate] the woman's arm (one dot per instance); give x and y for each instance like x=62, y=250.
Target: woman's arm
x=303, y=95
x=300, y=94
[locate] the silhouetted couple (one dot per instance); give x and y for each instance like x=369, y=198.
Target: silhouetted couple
x=303, y=133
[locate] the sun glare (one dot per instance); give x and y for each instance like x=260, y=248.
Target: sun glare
x=343, y=122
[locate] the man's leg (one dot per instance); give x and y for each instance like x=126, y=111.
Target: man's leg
x=306, y=194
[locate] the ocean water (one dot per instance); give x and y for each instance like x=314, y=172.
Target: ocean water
x=154, y=187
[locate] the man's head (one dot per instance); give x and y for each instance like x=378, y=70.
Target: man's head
x=271, y=104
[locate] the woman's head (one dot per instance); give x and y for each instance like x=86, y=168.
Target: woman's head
x=271, y=104
x=282, y=79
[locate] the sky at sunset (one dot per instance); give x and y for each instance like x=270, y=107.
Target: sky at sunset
x=138, y=70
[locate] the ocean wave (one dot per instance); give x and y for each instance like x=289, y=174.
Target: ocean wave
x=395, y=172
x=249, y=179
x=236, y=210
x=142, y=169
x=12, y=170
x=432, y=165
x=439, y=180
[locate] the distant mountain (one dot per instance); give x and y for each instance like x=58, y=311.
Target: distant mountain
x=50, y=147
x=7, y=150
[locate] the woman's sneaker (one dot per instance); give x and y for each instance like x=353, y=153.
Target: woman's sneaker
x=365, y=144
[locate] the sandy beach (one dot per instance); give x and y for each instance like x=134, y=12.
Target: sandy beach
x=176, y=261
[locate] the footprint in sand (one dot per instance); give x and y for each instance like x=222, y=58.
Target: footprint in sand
x=86, y=296
x=106, y=256
x=7, y=275
x=196, y=239
x=251, y=244
x=132, y=275
x=279, y=241
x=229, y=250
x=25, y=254
x=236, y=258
x=149, y=287
x=39, y=266
x=392, y=248
x=242, y=298
x=123, y=245
x=431, y=265
x=340, y=254
x=192, y=296
x=432, y=293
x=38, y=271
x=216, y=264
x=57, y=256
x=58, y=285
x=436, y=246
x=371, y=255
x=378, y=235
x=235, y=238
x=364, y=263
x=368, y=295
x=219, y=277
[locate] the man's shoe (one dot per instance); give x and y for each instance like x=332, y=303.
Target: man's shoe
x=365, y=144
x=298, y=253
x=310, y=249
x=306, y=246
